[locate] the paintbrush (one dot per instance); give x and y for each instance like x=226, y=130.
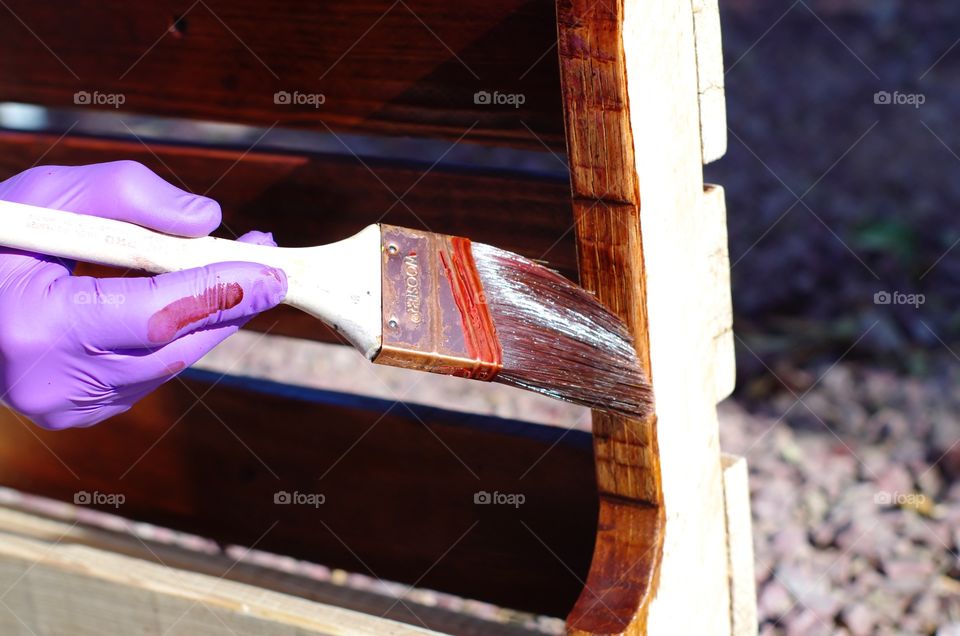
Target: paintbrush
x=402, y=297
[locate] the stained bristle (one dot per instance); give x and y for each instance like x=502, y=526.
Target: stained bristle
x=558, y=339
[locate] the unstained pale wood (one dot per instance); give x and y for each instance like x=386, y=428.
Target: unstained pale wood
x=58, y=524
x=717, y=302
x=710, y=79
x=662, y=83
x=743, y=585
x=53, y=588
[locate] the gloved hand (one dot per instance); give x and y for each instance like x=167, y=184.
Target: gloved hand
x=75, y=350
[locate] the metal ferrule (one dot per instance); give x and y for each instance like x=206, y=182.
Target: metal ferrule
x=435, y=316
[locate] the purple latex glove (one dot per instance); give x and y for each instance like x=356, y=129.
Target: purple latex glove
x=75, y=350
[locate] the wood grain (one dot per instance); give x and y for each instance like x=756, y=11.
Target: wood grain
x=605, y=207
x=315, y=199
x=399, y=484
x=54, y=588
x=710, y=80
x=632, y=113
x=58, y=523
x=407, y=67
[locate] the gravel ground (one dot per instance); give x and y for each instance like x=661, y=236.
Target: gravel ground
x=855, y=501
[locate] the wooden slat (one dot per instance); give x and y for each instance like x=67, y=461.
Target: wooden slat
x=743, y=585
x=710, y=79
x=400, y=67
x=628, y=549
x=314, y=199
x=399, y=491
x=631, y=92
x=58, y=524
x=54, y=588
x=717, y=303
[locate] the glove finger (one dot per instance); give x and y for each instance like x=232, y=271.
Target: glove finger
x=122, y=190
x=159, y=365
x=126, y=313
x=135, y=366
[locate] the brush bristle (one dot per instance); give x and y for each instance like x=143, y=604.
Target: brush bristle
x=557, y=339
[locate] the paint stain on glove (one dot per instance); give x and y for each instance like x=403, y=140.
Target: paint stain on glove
x=164, y=324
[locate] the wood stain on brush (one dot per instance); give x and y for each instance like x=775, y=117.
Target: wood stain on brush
x=479, y=332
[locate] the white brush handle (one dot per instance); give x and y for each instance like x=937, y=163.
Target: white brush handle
x=338, y=283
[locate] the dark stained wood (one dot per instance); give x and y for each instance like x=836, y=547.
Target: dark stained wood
x=315, y=199
x=606, y=207
x=629, y=547
x=399, y=492
x=406, y=67
x=627, y=542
